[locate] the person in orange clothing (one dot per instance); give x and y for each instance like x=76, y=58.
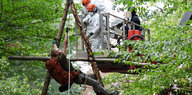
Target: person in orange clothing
x=58, y=66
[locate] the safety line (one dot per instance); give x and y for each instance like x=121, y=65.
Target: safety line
x=69, y=52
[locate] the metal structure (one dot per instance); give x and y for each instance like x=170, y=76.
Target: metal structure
x=107, y=30
x=186, y=17
x=111, y=32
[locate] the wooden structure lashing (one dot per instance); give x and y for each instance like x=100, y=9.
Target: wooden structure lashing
x=58, y=37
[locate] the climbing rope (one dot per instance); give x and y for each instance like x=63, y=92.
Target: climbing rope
x=69, y=52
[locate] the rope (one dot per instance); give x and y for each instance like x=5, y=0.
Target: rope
x=69, y=54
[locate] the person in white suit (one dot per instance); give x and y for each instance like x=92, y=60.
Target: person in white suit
x=92, y=25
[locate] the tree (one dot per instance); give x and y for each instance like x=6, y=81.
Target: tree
x=170, y=46
x=28, y=28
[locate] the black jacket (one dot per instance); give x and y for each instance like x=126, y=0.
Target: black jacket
x=134, y=19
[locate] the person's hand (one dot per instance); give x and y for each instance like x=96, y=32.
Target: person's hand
x=87, y=20
x=89, y=34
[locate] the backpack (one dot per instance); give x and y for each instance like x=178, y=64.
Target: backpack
x=58, y=73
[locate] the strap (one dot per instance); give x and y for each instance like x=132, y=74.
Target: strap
x=61, y=63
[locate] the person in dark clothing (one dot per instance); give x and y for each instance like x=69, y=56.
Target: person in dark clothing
x=133, y=18
x=76, y=76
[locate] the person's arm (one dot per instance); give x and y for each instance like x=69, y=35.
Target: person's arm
x=96, y=25
x=55, y=45
x=65, y=41
x=84, y=12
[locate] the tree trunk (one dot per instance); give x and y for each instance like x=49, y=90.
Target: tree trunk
x=62, y=23
x=86, y=43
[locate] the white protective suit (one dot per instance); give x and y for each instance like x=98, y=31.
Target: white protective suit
x=100, y=8
x=93, y=31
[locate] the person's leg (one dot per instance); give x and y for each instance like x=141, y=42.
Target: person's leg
x=105, y=42
x=91, y=76
x=95, y=44
x=98, y=88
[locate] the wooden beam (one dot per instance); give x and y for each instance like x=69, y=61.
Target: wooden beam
x=111, y=60
x=46, y=83
x=62, y=23
x=86, y=43
x=28, y=58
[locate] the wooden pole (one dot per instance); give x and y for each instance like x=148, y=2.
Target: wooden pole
x=46, y=83
x=110, y=60
x=86, y=43
x=62, y=23
x=58, y=38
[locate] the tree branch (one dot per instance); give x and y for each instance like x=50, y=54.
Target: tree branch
x=160, y=9
x=12, y=13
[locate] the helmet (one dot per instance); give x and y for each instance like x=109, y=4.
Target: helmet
x=85, y=2
x=91, y=7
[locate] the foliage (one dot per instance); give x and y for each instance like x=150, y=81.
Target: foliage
x=27, y=28
x=170, y=47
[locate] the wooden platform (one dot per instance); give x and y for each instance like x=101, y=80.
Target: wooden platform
x=83, y=54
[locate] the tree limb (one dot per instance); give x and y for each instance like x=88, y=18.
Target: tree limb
x=160, y=9
x=86, y=43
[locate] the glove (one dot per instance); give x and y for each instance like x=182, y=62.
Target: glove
x=89, y=34
x=55, y=41
x=63, y=88
x=87, y=20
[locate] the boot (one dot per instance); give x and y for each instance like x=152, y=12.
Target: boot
x=64, y=88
